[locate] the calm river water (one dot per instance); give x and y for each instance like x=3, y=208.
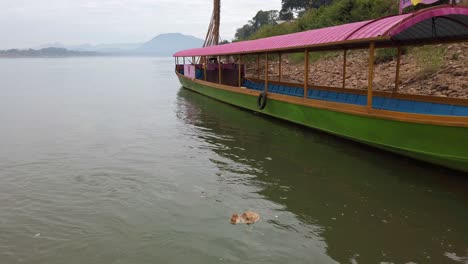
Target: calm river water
x=109, y=160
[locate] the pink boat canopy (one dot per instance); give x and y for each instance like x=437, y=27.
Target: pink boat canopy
x=433, y=24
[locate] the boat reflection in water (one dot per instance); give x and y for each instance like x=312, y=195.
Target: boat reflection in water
x=365, y=205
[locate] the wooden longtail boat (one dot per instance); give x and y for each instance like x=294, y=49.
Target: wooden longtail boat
x=427, y=128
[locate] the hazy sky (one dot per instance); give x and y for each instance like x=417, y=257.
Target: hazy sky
x=29, y=23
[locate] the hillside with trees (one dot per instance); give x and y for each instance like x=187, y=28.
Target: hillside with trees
x=301, y=15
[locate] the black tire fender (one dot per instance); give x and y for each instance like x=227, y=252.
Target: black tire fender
x=262, y=100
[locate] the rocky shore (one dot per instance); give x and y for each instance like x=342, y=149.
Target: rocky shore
x=441, y=71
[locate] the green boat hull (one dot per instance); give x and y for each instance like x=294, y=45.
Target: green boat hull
x=442, y=145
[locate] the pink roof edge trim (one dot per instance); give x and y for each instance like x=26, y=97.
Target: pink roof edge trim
x=370, y=29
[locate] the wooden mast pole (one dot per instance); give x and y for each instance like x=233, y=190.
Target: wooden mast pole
x=306, y=71
x=212, y=36
x=370, y=78
x=217, y=4
x=344, y=68
x=397, y=75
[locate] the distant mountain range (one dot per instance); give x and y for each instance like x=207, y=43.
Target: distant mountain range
x=45, y=53
x=105, y=48
x=161, y=45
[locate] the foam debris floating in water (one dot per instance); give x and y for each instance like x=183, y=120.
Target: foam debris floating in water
x=247, y=217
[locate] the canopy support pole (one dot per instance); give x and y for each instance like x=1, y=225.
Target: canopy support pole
x=344, y=68
x=193, y=59
x=397, y=75
x=266, y=72
x=219, y=70
x=239, y=73
x=370, y=78
x=306, y=71
x=184, y=60
x=279, y=67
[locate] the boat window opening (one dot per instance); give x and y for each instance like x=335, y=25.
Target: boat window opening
x=250, y=63
x=386, y=68
x=219, y=70
x=370, y=77
x=199, y=68
x=255, y=66
x=306, y=72
x=292, y=65
x=266, y=72
x=273, y=67
x=179, y=68
x=279, y=66
x=205, y=65
x=326, y=68
x=224, y=70
x=239, y=71
x=357, y=65
x=343, y=78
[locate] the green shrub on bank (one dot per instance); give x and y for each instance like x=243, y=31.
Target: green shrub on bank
x=298, y=58
x=388, y=54
x=428, y=58
x=275, y=30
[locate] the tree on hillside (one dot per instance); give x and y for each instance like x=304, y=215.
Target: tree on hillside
x=286, y=15
x=260, y=19
x=264, y=18
x=244, y=32
x=299, y=6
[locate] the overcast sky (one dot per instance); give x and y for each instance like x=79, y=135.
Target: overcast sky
x=30, y=23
